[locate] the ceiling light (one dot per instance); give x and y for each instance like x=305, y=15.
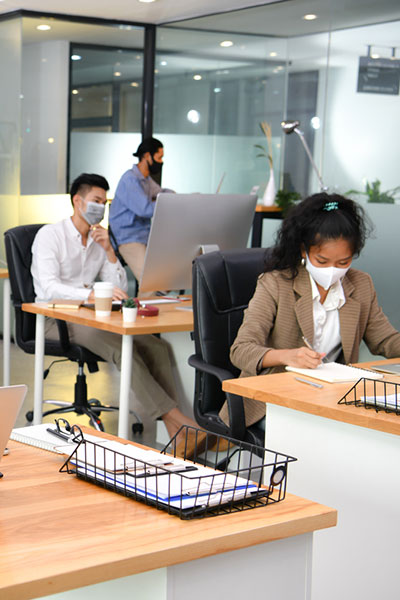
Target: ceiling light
x=76, y=57
x=163, y=63
x=193, y=116
x=147, y=1
x=315, y=123
x=134, y=84
x=226, y=44
x=217, y=90
x=273, y=53
x=197, y=77
x=375, y=55
x=310, y=17
x=43, y=27
x=75, y=92
x=50, y=140
x=117, y=74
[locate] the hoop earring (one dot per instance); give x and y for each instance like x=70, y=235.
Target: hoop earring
x=303, y=262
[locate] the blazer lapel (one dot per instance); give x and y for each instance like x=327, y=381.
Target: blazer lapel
x=349, y=317
x=304, y=306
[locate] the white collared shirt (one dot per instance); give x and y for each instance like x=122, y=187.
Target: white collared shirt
x=326, y=320
x=62, y=267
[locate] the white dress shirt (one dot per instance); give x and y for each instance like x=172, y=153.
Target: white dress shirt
x=62, y=267
x=326, y=320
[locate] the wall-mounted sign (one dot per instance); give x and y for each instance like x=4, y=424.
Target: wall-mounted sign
x=378, y=75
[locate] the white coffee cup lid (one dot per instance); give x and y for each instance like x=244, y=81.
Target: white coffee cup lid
x=103, y=285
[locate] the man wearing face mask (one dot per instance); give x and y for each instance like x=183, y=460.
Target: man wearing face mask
x=67, y=258
x=133, y=205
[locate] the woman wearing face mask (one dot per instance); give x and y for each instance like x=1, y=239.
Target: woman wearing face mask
x=133, y=205
x=309, y=293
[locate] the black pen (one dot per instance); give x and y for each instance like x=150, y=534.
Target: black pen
x=60, y=435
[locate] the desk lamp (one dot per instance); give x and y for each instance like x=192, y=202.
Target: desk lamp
x=290, y=126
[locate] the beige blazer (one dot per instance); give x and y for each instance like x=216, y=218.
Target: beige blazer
x=281, y=312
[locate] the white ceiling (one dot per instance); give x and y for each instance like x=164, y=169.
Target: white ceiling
x=281, y=18
x=160, y=11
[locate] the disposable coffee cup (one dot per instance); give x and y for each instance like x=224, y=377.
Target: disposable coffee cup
x=103, y=292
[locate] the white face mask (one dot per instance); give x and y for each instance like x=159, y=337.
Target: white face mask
x=94, y=213
x=325, y=276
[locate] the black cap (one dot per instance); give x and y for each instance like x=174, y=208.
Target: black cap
x=149, y=144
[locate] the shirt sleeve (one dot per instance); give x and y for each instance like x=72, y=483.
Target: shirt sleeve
x=131, y=197
x=115, y=273
x=46, y=271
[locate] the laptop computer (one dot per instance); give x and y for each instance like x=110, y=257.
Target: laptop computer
x=11, y=400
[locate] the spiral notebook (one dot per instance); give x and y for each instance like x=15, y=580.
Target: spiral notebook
x=333, y=372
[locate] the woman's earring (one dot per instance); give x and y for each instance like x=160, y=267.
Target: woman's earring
x=303, y=262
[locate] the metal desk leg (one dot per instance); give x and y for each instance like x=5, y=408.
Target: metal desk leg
x=256, y=235
x=39, y=363
x=125, y=384
x=6, y=331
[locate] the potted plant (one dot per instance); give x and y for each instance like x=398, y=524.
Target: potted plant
x=285, y=200
x=374, y=194
x=129, y=310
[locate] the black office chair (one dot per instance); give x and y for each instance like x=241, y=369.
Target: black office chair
x=223, y=284
x=18, y=243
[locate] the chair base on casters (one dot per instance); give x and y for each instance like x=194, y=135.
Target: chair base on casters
x=82, y=406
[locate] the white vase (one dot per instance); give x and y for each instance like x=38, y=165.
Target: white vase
x=270, y=191
x=129, y=314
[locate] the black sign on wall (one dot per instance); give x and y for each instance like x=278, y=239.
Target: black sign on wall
x=378, y=76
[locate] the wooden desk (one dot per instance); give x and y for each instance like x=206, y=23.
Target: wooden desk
x=348, y=457
x=59, y=533
x=262, y=212
x=170, y=318
x=6, y=325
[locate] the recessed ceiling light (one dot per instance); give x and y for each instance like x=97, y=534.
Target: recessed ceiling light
x=375, y=55
x=50, y=140
x=197, y=77
x=134, y=84
x=217, y=90
x=310, y=17
x=163, y=63
x=117, y=74
x=193, y=116
x=75, y=92
x=76, y=57
x=273, y=53
x=147, y=1
x=43, y=27
x=226, y=44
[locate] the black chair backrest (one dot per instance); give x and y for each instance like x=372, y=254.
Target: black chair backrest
x=223, y=284
x=18, y=243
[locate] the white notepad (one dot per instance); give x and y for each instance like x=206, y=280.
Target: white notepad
x=336, y=373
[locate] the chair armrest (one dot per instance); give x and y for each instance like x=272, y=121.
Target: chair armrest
x=237, y=422
x=198, y=363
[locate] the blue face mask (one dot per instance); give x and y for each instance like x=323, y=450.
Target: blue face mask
x=94, y=213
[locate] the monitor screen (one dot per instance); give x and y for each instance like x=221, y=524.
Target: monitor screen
x=182, y=224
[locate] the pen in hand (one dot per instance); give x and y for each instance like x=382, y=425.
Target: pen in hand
x=309, y=346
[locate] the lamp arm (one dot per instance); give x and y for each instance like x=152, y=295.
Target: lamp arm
x=307, y=149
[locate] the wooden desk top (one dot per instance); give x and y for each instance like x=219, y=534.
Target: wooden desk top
x=282, y=389
x=59, y=533
x=170, y=318
x=262, y=208
x=3, y=273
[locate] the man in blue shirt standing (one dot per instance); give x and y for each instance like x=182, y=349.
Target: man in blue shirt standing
x=134, y=202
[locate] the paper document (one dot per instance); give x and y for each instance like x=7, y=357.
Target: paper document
x=390, y=401
x=335, y=373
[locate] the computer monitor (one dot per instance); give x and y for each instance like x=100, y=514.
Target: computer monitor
x=184, y=223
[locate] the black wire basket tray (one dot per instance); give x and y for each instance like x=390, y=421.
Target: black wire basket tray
x=197, y=474
x=374, y=394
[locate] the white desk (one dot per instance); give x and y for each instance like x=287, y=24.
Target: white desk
x=6, y=325
x=59, y=533
x=170, y=318
x=348, y=457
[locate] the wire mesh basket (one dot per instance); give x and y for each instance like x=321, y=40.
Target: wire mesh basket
x=374, y=394
x=222, y=475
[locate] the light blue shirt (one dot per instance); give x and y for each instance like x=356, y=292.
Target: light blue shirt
x=132, y=207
